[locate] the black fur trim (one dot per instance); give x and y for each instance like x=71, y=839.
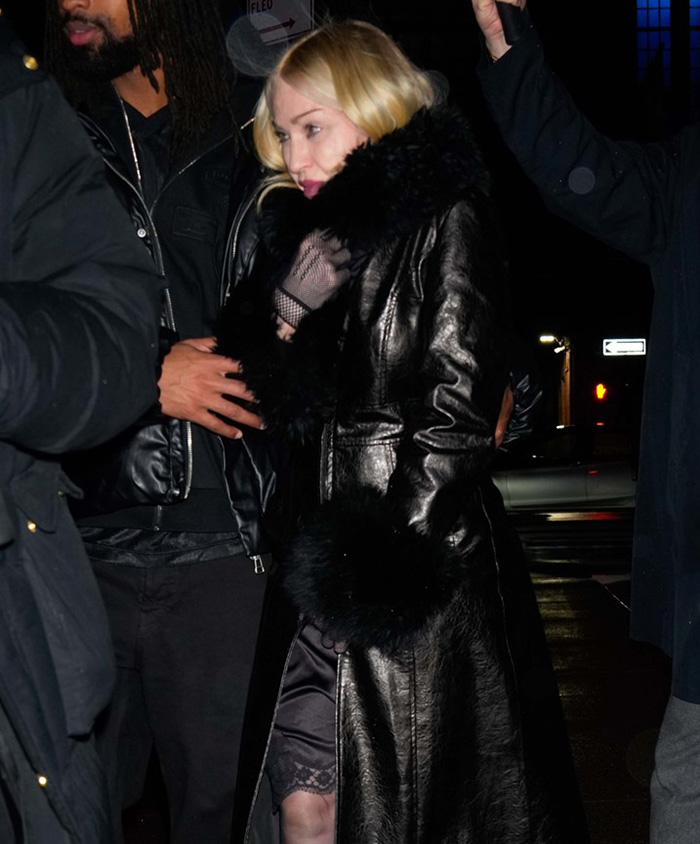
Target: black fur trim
x=364, y=578
x=385, y=190
x=294, y=381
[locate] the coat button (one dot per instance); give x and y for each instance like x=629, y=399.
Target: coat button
x=30, y=63
x=42, y=780
x=141, y=232
x=31, y=527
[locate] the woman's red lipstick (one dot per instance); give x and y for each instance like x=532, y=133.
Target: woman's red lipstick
x=310, y=188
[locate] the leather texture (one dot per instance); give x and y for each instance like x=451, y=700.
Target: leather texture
x=151, y=464
x=144, y=465
x=449, y=724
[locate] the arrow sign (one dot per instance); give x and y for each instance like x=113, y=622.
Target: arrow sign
x=286, y=25
x=620, y=347
x=280, y=20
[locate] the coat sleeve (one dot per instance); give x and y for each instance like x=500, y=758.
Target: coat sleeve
x=373, y=567
x=620, y=192
x=79, y=300
x=462, y=369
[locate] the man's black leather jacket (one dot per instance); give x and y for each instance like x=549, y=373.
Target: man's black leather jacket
x=186, y=230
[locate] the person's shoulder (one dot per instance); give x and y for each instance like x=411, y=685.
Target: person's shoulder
x=18, y=67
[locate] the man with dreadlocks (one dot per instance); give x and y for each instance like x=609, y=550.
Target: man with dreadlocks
x=172, y=532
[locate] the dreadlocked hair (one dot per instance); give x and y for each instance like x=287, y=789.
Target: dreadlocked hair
x=187, y=38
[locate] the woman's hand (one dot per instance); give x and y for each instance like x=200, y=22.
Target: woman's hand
x=320, y=268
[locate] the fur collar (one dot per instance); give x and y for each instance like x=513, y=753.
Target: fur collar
x=385, y=190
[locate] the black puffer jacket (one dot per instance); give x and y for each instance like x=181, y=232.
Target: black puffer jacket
x=79, y=307
x=400, y=546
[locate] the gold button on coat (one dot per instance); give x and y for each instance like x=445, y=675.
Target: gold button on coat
x=30, y=63
x=31, y=527
x=42, y=780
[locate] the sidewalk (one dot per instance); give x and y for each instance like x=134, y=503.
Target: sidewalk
x=614, y=692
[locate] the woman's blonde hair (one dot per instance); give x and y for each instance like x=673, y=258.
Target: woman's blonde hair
x=352, y=66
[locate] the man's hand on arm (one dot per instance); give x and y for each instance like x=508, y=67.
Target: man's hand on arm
x=489, y=21
x=194, y=382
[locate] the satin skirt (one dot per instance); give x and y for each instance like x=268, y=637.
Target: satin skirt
x=302, y=754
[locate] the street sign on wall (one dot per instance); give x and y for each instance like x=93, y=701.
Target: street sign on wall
x=278, y=20
x=623, y=346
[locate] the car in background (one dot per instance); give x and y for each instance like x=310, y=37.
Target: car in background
x=568, y=468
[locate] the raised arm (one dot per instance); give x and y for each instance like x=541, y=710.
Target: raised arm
x=620, y=192
x=491, y=24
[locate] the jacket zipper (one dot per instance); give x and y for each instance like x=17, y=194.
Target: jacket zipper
x=232, y=247
x=225, y=286
x=325, y=481
x=169, y=313
x=256, y=559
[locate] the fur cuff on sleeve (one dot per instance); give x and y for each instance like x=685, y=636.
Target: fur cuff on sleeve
x=365, y=579
x=294, y=382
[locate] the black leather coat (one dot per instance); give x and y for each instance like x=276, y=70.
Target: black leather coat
x=399, y=547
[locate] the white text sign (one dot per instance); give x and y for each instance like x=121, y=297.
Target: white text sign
x=619, y=347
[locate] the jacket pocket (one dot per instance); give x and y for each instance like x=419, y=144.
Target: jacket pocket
x=146, y=466
x=365, y=448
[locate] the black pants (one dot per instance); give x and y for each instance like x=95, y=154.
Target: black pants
x=185, y=640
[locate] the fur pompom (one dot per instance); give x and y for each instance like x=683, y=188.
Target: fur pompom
x=365, y=579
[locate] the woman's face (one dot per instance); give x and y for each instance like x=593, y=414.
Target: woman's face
x=315, y=138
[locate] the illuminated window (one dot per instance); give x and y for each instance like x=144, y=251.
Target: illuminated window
x=694, y=10
x=654, y=36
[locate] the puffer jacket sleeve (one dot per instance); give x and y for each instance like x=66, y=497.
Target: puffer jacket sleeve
x=374, y=566
x=79, y=300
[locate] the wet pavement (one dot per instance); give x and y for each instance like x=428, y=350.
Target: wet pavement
x=613, y=691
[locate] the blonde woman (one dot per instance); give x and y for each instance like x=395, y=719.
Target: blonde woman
x=414, y=700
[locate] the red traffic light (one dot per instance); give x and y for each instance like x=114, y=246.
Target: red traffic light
x=601, y=391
